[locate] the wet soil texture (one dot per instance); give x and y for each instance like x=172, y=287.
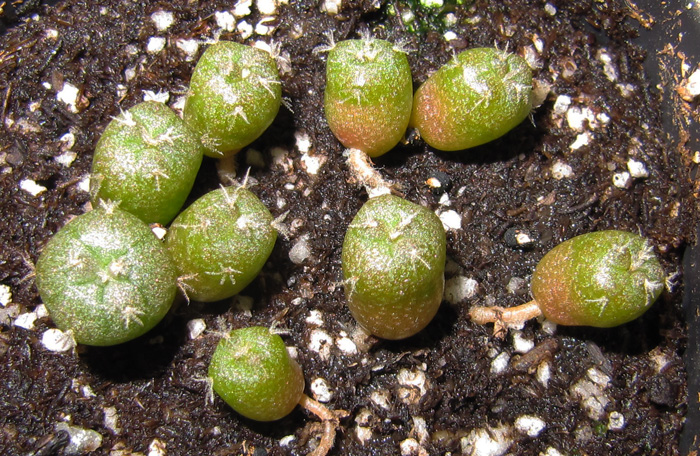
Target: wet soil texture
x=596, y=154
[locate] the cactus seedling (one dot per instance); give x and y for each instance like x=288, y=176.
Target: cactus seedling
x=393, y=266
x=147, y=159
x=368, y=94
x=255, y=375
x=105, y=277
x=252, y=371
x=600, y=279
x=478, y=96
x=220, y=243
x=234, y=95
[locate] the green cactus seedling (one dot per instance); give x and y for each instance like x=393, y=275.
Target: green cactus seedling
x=234, y=95
x=478, y=96
x=255, y=375
x=105, y=277
x=600, y=279
x=251, y=370
x=368, y=94
x=220, y=243
x=147, y=159
x=393, y=266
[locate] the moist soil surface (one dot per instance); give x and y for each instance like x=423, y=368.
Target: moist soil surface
x=454, y=387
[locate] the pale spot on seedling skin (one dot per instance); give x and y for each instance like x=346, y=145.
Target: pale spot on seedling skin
x=350, y=284
x=249, y=222
x=267, y=84
x=643, y=255
x=416, y=258
x=220, y=86
x=225, y=273
x=132, y=315
x=109, y=206
x=602, y=304
x=475, y=82
x=651, y=288
x=238, y=111
x=364, y=224
x=125, y=118
x=157, y=175
x=602, y=278
x=75, y=259
x=184, y=287
x=405, y=222
x=212, y=144
x=231, y=198
x=117, y=268
x=168, y=137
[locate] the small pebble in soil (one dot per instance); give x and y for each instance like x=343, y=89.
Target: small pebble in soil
x=500, y=363
x=321, y=390
x=196, y=327
x=690, y=88
x=530, y=425
x=637, y=169
x=451, y=220
x=460, y=288
x=82, y=441
x=561, y=170
x=57, y=341
x=518, y=238
x=157, y=448
x=616, y=421
x=111, y=420
x=439, y=182
x=5, y=295
x=487, y=441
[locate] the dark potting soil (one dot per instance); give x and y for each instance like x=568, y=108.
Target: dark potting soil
x=597, y=154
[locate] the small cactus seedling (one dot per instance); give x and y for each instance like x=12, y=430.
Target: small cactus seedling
x=600, y=279
x=147, y=159
x=252, y=371
x=220, y=243
x=255, y=375
x=368, y=96
x=105, y=277
x=478, y=96
x=234, y=95
x=393, y=266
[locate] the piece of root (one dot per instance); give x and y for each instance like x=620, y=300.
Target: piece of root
x=226, y=168
x=502, y=317
x=363, y=171
x=330, y=423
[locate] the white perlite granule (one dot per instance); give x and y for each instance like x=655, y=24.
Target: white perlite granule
x=163, y=20
x=56, y=340
x=530, y=425
x=5, y=295
x=459, y=289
